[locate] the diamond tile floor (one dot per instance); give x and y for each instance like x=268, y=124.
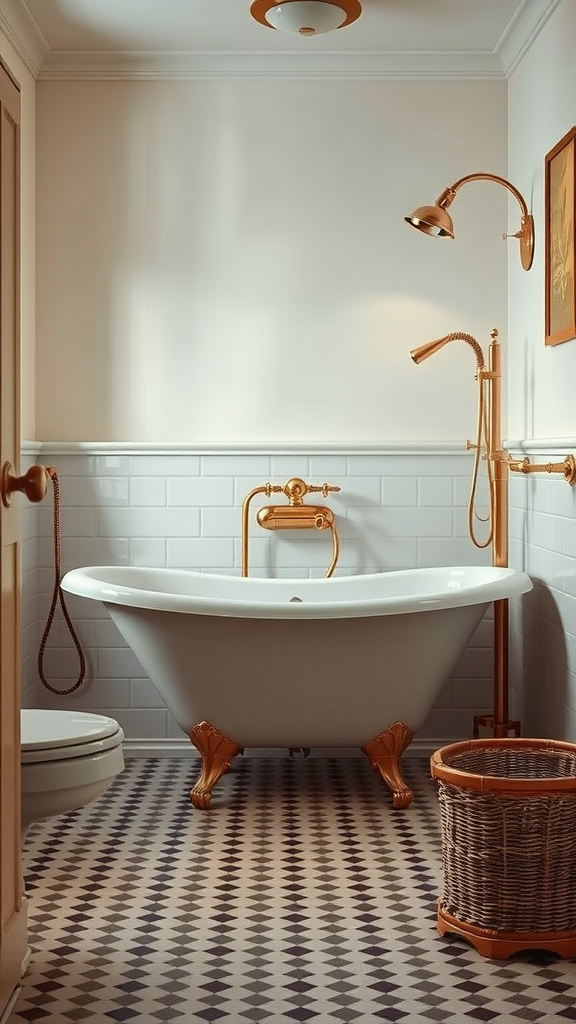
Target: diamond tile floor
x=299, y=896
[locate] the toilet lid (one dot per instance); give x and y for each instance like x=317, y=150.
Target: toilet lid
x=45, y=730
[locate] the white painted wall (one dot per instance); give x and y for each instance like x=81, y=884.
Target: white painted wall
x=541, y=110
x=228, y=261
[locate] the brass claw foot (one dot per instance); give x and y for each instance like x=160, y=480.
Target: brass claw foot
x=384, y=753
x=217, y=752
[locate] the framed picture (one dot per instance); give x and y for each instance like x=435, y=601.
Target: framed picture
x=560, y=240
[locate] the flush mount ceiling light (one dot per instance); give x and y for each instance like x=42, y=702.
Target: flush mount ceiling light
x=435, y=220
x=305, y=17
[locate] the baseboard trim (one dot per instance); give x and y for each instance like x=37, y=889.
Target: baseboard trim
x=10, y=1005
x=182, y=748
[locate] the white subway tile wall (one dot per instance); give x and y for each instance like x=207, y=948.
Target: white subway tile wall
x=400, y=509
x=543, y=625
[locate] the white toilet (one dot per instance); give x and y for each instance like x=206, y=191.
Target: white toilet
x=68, y=759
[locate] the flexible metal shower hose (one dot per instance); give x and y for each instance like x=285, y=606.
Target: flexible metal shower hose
x=58, y=596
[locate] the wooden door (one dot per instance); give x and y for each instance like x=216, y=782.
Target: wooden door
x=13, y=923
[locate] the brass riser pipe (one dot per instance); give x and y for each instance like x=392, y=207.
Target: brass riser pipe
x=499, y=721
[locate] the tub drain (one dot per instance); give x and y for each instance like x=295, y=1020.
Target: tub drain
x=298, y=599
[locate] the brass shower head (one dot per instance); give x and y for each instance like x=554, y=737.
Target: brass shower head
x=435, y=220
x=418, y=355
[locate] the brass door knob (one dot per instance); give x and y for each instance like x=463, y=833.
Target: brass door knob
x=33, y=483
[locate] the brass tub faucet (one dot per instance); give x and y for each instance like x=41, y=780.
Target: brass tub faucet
x=296, y=515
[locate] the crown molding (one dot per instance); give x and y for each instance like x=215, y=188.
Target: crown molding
x=524, y=29
x=23, y=34
x=222, y=65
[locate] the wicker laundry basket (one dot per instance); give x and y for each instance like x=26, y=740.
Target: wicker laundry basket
x=508, y=825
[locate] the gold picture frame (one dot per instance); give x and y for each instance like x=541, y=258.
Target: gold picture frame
x=560, y=244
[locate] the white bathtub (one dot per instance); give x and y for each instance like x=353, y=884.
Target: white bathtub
x=342, y=662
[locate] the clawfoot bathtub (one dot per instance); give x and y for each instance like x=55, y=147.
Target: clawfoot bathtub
x=355, y=661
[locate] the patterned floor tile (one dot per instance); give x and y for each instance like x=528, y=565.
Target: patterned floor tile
x=301, y=896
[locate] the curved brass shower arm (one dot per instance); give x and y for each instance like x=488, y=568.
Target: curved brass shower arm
x=443, y=222
x=423, y=351
x=449, y=194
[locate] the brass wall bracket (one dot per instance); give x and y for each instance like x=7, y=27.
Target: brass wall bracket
x=567, y=467
x=295, y=515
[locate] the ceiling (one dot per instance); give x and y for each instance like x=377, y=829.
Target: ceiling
x=463, y=38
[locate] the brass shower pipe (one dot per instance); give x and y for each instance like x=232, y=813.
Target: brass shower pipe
x=295, y=515
x=567, y=467
x=499, y=464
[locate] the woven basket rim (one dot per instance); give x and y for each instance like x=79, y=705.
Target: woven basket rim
x=494, y=783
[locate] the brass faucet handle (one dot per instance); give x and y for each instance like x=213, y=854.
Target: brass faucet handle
x=472, y=446
x=269, y=489
x=323, y=489
x=295, y=489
